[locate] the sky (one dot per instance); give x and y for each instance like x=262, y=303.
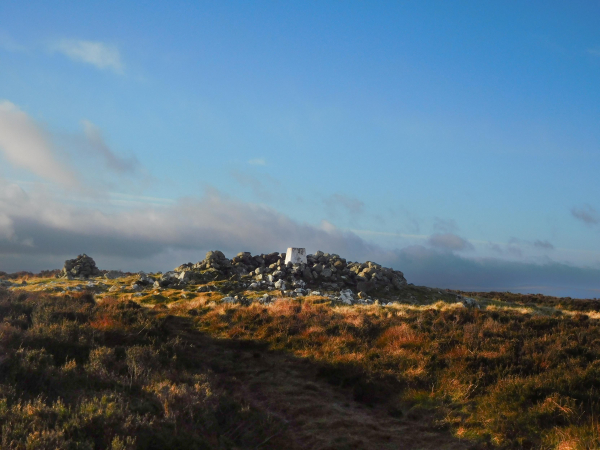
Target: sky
x=458, y=142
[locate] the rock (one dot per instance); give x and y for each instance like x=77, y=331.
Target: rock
x=114, y=274
x=470, y=303
x=307, y=274
x=187, y=276
x=317, y=293
x=280, y=284
x=136, y=287
x=144, y=279
x=326, y=272
x=254, y=286
x=228, y=300
x=347, y=296
x=265, y=299
x=82, y=266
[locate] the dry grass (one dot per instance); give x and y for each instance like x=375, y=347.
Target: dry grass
x=512, y=378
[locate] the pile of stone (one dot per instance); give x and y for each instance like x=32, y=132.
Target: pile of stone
x=321, y=271
x=81, y=267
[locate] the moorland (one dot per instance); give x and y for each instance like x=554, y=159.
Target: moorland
x=97, y=365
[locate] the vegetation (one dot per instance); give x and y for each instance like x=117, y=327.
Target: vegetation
x=99, y=371
x=76, y=375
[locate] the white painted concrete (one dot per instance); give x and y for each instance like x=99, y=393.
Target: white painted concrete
x=295, y=255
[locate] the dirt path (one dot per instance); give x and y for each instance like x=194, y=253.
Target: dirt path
x=318, y=414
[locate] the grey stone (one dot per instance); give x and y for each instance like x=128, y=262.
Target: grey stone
x=114, y=274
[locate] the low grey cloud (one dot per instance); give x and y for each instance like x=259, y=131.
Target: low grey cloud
x=351, y=205
x=430, y=267
x=586, y=214
x=213, y=221
x=98, y=146
x=449, y=241
x=545, y=245
x=95, y=53
x=27, y=145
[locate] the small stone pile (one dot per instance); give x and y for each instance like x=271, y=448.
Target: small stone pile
x=323, y=271
x=81, y=267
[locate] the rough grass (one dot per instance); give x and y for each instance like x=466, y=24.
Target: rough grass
x=522, y=372
x=79, y=375
x=504, y=378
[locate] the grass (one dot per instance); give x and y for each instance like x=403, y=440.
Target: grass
x=503, y=378
x=521, y=372
x=76, y=374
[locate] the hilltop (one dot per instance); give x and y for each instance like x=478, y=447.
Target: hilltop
x=251, y=352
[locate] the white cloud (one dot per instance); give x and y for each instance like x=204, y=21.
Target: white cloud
x=25, y=145
x=257, y=162
x=98, y=54
x=99, y=146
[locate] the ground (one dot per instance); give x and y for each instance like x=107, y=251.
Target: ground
x=506, y=371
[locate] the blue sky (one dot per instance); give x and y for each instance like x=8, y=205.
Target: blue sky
x=456, y=141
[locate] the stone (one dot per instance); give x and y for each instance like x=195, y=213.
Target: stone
x=307, y=274
x=347, y=296
x=470, y=303
x=295, y=255
x=114, y=274
x=280, y=284
x=82, y=266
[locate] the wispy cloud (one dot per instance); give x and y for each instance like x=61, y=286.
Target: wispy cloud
x=545, y=245
x=263, y=187
x=9, y=44
x=98, y=145
x=594, y=51
x=351, y=205
x=445, y=225
x=257, y=162
x=98, y=54
x=26, y=145
x=586, y=214
x=449, y=241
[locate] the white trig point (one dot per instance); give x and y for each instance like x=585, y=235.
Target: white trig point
x=295, y=255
